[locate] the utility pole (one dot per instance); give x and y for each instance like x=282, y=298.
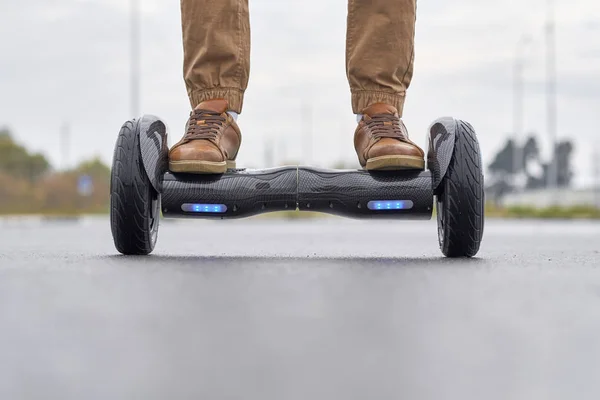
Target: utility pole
x=518, y=103
x=517, y=113
x=268, y=153
x=596, y=175
x=307, y=128
x=551, y=93
x=343, y=139
x=65, y=137
x=282, y=150
x=135, y=63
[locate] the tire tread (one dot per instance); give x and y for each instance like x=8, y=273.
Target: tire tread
x=131, y=196
x=463, y=197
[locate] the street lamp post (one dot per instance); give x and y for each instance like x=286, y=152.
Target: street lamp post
x=551, y=110
x=307, y=132
x=518, y=102
x=596, y=175
x=65, y=140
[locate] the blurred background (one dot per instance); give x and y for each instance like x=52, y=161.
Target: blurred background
x=525, y=73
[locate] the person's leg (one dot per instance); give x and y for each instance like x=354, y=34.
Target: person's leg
x=379, y=65
x=380, y=51
x=216, y=46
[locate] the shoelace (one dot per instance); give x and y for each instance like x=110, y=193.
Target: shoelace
x=204, y=124
x=385, y=126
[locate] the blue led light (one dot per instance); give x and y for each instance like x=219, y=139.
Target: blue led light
x=204, y=208
x=390, y=205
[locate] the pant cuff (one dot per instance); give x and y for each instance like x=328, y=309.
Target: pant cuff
x=234, y=96
x=362, y=99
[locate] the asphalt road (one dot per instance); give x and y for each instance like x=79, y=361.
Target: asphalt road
x=330, y=309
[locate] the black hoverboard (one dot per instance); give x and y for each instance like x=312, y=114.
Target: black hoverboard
x=142, y=188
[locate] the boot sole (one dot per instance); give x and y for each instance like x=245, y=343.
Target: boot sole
x=395, y=163
x=201, y=167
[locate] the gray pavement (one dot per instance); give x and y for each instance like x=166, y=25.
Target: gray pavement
x=313, y=309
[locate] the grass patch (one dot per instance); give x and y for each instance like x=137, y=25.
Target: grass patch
x=555, y=212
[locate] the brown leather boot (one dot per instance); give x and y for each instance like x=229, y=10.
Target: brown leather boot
x=211, y=142
x=381, y=141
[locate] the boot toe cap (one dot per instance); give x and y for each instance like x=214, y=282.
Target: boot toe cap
x=196, y=152
x=394, y=147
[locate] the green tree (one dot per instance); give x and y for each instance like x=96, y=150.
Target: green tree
x=94, y=167
x=17, y=162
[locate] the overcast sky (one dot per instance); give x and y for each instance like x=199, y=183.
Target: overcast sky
x=67, y=61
